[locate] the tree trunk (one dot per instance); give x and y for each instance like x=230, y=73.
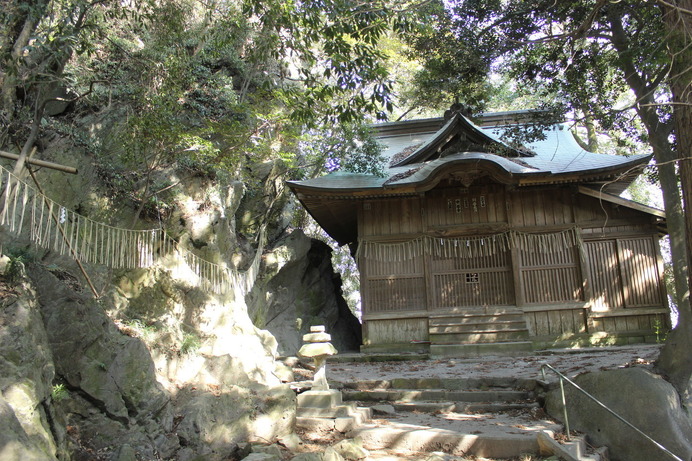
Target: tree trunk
x=674, y=359
x=666, y=158
x=23, y=19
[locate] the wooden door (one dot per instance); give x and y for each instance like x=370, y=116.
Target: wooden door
x=623, y=273
x=471, y=281
x=604, y=275
x=640, y=275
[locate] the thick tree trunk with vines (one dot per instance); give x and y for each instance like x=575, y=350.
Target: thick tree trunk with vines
x=666, y=158
x=674, y=360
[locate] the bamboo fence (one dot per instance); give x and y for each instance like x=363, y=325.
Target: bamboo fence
x=25, y=211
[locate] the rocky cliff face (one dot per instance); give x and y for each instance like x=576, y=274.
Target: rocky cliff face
x=300, y=289
x=158, y=367
x=78, y=384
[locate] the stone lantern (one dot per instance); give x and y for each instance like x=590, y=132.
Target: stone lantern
x=321, y=407
x=318, y=348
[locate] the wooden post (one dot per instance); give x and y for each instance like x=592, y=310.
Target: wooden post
x=42, y=163
x=62, y=233
x=519, y=298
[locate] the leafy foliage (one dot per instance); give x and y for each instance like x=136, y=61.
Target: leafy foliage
x=16, y=266
x=59, y=392
x=350, y=148
x=574, y=57
x=331, y=46
x=190, y=343
x=204, y=87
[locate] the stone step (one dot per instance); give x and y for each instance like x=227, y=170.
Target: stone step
x=339, y=411
x=475, y=337
x=508, y=348
x=327, y=398
x=342, y=418
x=494, y=437
x=572, y=450
x=415, y=395
x=464, y=407
x=451, y=384
x=470, y=327
x=341, y=424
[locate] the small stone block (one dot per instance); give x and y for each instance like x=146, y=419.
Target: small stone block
x=352, y=449
x=268, y=449
x=317, y=329
x=308, y=457
x=291, y=441
x=320, y=399
x=384, y=409
x=345, y=424
x=261, y=457
x=317, y=338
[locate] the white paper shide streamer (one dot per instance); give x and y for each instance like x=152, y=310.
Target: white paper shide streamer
x=468, y=247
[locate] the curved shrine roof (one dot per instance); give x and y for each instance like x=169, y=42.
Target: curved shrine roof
x=420, y=153
x=416, y=157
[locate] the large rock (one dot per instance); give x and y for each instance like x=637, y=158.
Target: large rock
x=15, y=443
x=222, y=419
x=646, y=400
x=131, y=384
x=300, y=290
x=113, y=370
x=112, y=393
x=26, y=376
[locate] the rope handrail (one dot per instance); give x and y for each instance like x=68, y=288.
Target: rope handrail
x=564, y=378
x=53, y=226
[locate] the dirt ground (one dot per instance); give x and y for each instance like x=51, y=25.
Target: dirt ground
x=570, y=362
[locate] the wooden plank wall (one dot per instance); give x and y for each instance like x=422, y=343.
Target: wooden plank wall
x=392, y=331
x=552, y=322
x=603, y=274
x=390, y=218
x=637, y=322
x=458, y=207
x=550, y=277
x=541, y=208
x=617, y=269
x=394, y=287
x=640, y=278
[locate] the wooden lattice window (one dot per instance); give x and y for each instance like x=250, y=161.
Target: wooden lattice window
x=472, y=277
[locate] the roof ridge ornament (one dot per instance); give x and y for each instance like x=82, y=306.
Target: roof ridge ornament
x=457, y=108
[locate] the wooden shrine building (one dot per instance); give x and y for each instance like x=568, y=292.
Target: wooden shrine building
x=469, y=243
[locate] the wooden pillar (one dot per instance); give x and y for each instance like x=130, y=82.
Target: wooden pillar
x=515, y=257
x=519, y=295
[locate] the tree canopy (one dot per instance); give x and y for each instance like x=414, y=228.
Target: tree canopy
x=204, y=86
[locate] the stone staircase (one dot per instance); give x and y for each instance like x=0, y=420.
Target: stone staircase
x=326, y=411
x=486, y=417
x=472, y=332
